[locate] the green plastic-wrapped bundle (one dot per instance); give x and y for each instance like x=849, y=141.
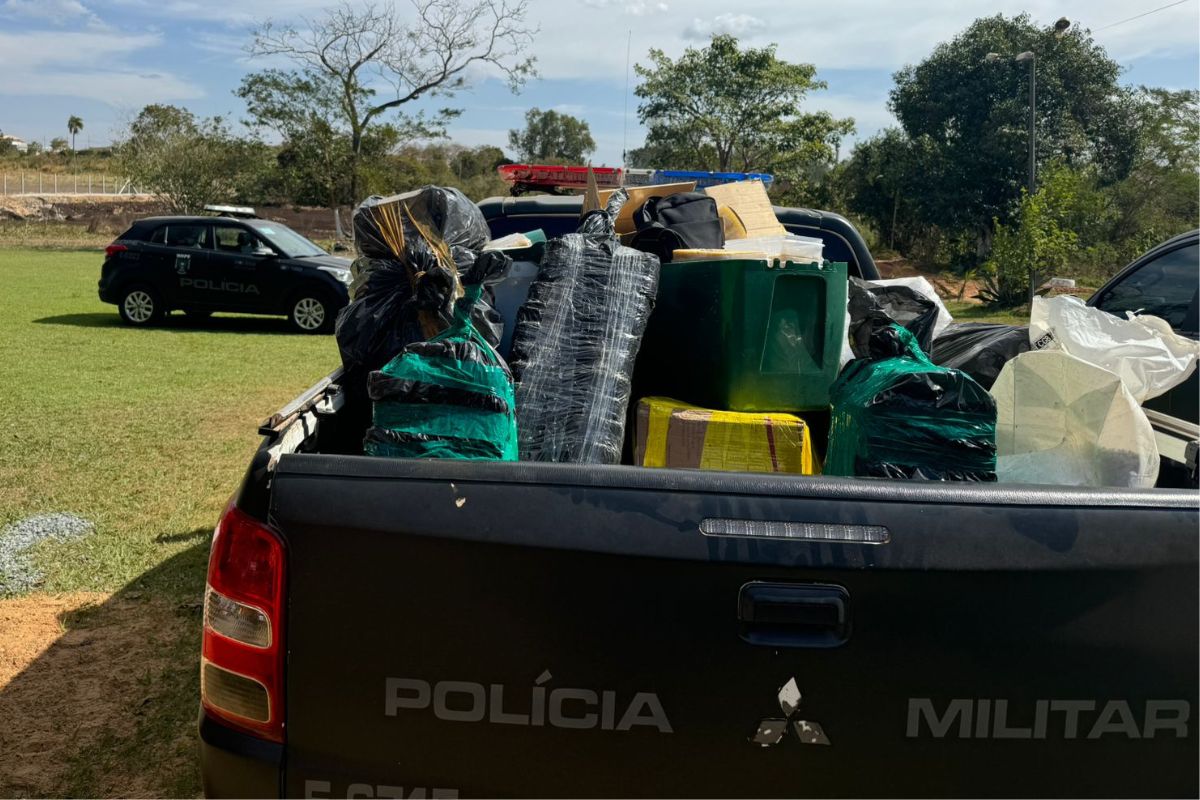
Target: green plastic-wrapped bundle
x=897, y=415
x=448, y=397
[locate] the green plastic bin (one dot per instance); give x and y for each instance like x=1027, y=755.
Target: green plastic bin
x=745, y=335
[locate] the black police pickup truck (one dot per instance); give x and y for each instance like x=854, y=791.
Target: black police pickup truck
x=400, y=628
x=229, y=262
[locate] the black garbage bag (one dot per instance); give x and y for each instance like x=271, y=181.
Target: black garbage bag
x=873, y=307
x=418, y=251
x=390, y=227
x=384, y=314
x=980, y=349
x=576, y=340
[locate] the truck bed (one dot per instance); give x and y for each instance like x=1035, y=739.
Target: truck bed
x=459, y=629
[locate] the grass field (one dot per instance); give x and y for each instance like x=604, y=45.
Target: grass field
x=145, y=433
x=974, y=312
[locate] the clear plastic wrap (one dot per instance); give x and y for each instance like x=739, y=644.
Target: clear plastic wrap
x=980, y=349
x=873, y=307
x=897, y=415
x=576, y=341
x=1064, y=421
x=671, y=433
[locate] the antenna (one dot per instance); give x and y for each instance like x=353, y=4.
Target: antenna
x=625, y=132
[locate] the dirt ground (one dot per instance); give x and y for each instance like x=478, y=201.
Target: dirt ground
x=114, y=213
x=948, y=287
x=79, y=673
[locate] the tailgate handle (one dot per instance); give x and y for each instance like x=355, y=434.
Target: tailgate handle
x=794, y=614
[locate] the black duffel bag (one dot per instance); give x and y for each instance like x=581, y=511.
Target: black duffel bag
x=684, y=221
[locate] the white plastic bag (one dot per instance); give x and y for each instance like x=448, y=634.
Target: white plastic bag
x=1061, y=420
x=1142, y=350
x=923, y=287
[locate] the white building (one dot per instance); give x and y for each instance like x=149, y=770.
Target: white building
x=19, y=144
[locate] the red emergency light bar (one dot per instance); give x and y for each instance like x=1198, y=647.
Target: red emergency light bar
x=551, y=176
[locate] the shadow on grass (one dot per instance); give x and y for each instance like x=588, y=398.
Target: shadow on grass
x=179, y=323
x=109, y=708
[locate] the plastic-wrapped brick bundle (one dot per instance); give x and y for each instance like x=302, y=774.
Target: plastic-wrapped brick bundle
x=576, y=341
x=448, y=397
x=897, y=415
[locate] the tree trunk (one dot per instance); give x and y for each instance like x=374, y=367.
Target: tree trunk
x=983, y=242
x=355, y=152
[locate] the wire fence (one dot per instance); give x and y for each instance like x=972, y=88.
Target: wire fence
x=23, y=182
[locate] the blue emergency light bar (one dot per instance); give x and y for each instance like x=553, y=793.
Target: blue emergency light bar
x=652, y=177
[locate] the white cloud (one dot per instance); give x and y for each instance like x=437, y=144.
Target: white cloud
x=852, y=34
x=736, y=24
x=636, y=8
x=56, y=63
x=57, y=12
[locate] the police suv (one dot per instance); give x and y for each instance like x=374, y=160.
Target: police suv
x=229, y=261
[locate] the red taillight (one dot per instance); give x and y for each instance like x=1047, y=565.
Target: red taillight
x=241, y=665
x=113, y=249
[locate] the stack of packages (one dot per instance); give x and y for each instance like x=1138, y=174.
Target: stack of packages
x=576, y=341
x=448, y=397
x=418, y=337
x=746, y=338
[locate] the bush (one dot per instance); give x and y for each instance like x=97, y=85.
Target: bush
x=1035, y=247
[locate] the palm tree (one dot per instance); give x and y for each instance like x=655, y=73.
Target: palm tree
x=74, y=126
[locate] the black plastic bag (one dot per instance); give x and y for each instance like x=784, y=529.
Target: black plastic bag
x=384, y=314
x=980, y=349
x=443, y=211
x=873, y=308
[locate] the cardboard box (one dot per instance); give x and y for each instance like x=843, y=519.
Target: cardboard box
x=671, y=433
x=750, y=203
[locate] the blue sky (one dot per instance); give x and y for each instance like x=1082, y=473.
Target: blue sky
x=104, y=59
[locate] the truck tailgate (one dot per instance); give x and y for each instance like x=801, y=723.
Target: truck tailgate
x=550, y=630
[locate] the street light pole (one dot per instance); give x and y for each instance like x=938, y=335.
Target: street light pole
x=1032, y=59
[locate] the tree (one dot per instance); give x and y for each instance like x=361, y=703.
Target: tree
x=344, y=58
x=722, y=107
x=74, y=126
x=882, y=181
x=58, y=145
x=187, y=162
x=33, y=148
x=552, y=138
x=973, y=114
x=1035, y=246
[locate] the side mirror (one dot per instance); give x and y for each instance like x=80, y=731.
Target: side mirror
x=263, y=250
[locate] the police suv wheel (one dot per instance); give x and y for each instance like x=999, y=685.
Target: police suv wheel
x=310, y=313
x=139, y=305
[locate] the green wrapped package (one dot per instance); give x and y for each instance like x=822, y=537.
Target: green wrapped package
x=448, y=397
x=898, y=415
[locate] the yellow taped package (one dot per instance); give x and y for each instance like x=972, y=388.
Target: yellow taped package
x=671, y=433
